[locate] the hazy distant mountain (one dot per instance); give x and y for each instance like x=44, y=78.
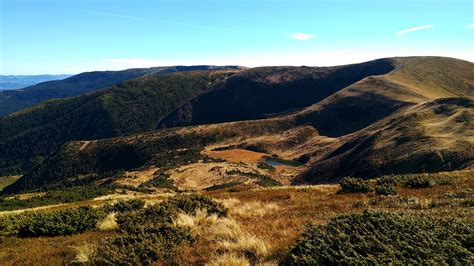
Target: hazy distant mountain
x=14, y=82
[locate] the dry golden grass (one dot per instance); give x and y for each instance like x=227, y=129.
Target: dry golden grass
x=251, y=208
x=224, y=236
x=267, y=236
x=229, y=259
x=84, y=253
x=236, y=155
x=136, y=178
x=108, y=223
x=45, y=250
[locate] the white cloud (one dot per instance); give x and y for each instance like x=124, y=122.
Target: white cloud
x=301, y=36
x=469, y=26
x=403, y=32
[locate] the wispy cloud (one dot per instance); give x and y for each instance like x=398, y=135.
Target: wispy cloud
x=403, y=32
x=469, y=26
x=301, y=36
x=189, y=25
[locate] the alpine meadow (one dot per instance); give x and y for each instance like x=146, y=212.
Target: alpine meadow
x=236, y=132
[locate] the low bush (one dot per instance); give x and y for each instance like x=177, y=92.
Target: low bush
x=223, y=186
x=148, y=235
x=157, y=243
x=190, y=203
x=125, y=206
x=354, y=185
x=266, y=181
x=62, y=222
x=386, y=189
x=373, y=238
x=8, y=203
x=419, y=181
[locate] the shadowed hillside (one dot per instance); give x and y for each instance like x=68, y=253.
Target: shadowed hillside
x=429, y=137
x=139, y=105
x=260, y=92
x=134, y=106
x=376, y=126
x=15, y=100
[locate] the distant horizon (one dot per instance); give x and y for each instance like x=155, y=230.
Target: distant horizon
x=56, y=37
x=187, y=65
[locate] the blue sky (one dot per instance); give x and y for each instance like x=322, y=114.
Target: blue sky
x=72, y=36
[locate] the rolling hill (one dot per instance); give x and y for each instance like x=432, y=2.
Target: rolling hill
x=134, y=106
x=413, y=115
x=152, y=101
x=15, y=100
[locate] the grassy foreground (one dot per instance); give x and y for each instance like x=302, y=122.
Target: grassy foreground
x=243, y=226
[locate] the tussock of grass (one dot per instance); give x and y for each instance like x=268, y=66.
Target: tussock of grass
x=109, y=223
x=229, y=259
x=226, y=235
x=84, y=254
x=250, y=208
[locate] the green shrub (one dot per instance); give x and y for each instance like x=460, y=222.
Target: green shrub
x=374, y=238
x=157, y=243
x=223, y=186
x=266, y=181
x=394, y=180
x=190, y=203
x=148, y=235
x=62, y=222
x=355, y=185
x=7, y=203
x=125, y=206
x=419, y=181
x=386, y=189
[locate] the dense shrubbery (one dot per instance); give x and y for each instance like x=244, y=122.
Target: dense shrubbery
x=373, y=238
x=386, y=189
x=54, y=223
x=155, y=244
x=223, y=186
x=419, y=181
x=355, y=185
x=149, y=235
x=63, y=222
x=125, y=206
x=387, y=185
x=67, y=195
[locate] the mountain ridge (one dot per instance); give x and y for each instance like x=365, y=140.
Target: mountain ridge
x=372, y=141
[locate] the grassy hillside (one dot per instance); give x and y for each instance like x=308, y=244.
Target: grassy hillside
x=149, y=102
x=373, y=127
x=429, y=137
x=134, y=106
x=15, y=100
x=261, y=92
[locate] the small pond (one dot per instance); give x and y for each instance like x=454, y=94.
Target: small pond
x=275, y=161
